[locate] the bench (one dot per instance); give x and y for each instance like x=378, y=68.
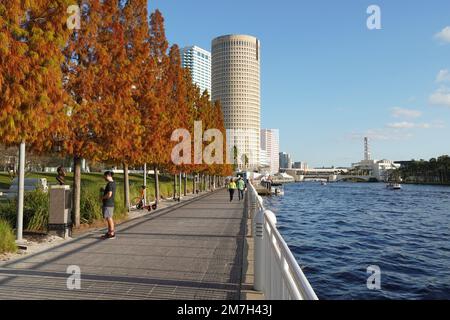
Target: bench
x=31, y=184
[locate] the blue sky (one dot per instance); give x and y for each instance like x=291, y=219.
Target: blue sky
x=327, y=80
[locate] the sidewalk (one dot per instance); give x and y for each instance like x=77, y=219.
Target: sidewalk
x=191, y=251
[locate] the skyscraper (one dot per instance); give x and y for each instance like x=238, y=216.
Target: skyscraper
x=198, y=61
x=270, y=142
x=285, y=160
x=236, y=84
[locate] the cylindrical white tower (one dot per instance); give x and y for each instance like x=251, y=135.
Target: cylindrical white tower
x=236, y=84
x=367, y=155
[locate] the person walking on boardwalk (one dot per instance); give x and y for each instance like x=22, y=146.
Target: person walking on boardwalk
x=232, y=188
x=109, y=194
x=241, y=188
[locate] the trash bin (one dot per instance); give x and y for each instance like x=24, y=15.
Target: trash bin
x=60, y=220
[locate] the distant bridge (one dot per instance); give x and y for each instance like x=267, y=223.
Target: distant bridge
x=336, y=178
x=354, y=177
x=331, y=175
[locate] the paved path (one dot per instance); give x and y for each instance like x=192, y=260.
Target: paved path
x=194, y=251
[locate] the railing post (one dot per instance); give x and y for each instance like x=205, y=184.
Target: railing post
x=259, y=250
x=271, y=276
x=253, y=204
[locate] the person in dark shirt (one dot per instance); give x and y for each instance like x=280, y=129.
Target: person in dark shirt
x=109, y=194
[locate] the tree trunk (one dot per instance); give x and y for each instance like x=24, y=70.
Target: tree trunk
x=76, y=194
x=157, y=196
x=174, y=187
x=145, y=183
x=180, y=186
x=126, y=187
x=194, y=185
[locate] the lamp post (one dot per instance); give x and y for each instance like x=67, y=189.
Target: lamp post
x=21, y=192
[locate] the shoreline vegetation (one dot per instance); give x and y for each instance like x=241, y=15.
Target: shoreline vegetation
x=436, y=171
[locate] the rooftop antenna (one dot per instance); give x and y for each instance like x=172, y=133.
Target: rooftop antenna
x=366, y=149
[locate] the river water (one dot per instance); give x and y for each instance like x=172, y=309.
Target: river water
x=337, y=231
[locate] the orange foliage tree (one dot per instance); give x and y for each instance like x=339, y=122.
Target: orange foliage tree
x=32, y=109
x=32, y=35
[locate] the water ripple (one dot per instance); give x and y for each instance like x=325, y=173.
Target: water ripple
x=337, y=231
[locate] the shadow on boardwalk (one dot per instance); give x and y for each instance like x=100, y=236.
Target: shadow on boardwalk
x=194, y=251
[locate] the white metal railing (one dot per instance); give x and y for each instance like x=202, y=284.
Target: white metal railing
x=277, y=273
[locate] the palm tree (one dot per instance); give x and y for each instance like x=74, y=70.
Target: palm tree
x=246, y=161
x=235, y=157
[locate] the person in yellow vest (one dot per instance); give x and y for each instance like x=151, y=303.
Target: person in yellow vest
x=241, y=188
x=232, y=188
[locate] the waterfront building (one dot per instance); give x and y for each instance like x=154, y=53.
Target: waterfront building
x=198, y=61
x=270, y=143
x=379, y=169
x=264, y=162
x=285, y=160
x=300, y=165
x=236, y=84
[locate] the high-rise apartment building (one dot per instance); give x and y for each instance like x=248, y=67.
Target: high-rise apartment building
x=270, y=142
x=285, y=160
x=198, y=61
x=236, y=84
x=300, y=165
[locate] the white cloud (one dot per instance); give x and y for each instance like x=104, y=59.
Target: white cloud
x=405, y=113
x=409, y=125
x=443, y=35
x=443, y=76
x=413, y=125
x=441, y=97
x=439, y=124
x=385, y=134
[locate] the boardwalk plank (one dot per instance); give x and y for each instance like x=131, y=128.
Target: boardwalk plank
x=191, y=252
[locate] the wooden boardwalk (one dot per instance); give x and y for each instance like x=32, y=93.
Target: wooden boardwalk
x=192, y=251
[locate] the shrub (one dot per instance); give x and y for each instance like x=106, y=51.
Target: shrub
x=90, y=207
x=8, y=211
x=7, y=239
x=36, y=210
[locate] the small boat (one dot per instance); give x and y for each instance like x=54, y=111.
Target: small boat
x=394, y=186
x=277, y=189
x=323, y=183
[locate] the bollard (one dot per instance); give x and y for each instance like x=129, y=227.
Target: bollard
x=259, y=251
x=253, y=205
